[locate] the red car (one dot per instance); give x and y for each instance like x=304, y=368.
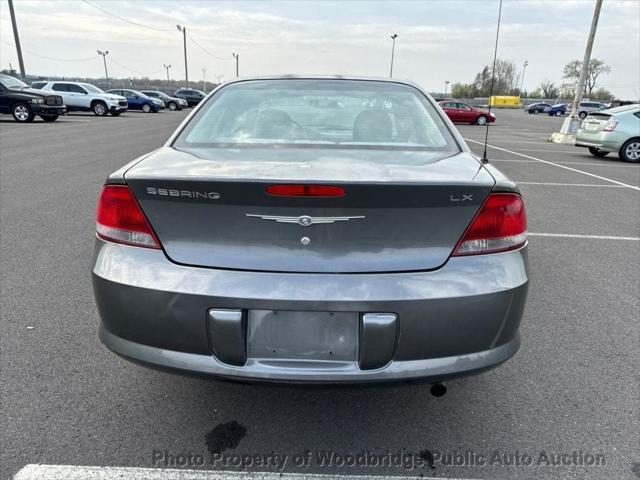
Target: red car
x=460, y=112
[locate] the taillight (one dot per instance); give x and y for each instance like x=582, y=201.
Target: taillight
x=119, y=219
x=500, y=225
x=610, y=126
x=305, y=191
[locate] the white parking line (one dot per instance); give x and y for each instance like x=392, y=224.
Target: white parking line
x=571, y=152
x=592, y=237
x=72, y=472
x=558, y=165
x=570, y=184
x=592, y=164
x=509, y=141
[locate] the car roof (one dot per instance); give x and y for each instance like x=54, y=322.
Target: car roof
x=623, y=108
x=325, y=77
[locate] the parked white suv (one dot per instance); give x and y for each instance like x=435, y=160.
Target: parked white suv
x=80, y=96
x=586, y=107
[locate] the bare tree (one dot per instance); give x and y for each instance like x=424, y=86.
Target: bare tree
x=505, y=75
x=461, y=90
x=602, y=94
x=503, y=83
x=571, y=72
x=482, y=82
x=549, y=89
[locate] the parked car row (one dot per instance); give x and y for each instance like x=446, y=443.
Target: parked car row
x=584, y=108
x=555, y=110
x=172, y=103
x=50, y=99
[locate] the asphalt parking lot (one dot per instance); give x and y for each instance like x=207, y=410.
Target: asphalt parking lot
x=573, y=387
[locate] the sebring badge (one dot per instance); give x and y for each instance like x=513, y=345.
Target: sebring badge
x=169, y=192
x=304, y=220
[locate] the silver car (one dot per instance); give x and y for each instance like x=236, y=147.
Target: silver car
x=322, y=230
x=614, y=130
x=84, y=97
x=586, y=107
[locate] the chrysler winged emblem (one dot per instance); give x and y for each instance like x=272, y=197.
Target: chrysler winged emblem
x=304, y=220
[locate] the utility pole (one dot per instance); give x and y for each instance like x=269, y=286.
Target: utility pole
x=186, y=69
x=524, y=67
x=237, y=57
x=204, y=83
x=16, y=38
x=587, y=59
x=570, y=125
x=167, y=67
x=104, y=60
x=393, y=50
x=446, y=87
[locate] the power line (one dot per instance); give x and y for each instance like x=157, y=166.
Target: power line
x=125, y=19
x=158, y=29
x=206, y=51
x=52, y=58
x=131, y=69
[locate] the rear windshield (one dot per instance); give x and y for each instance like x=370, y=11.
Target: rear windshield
x=318, y=113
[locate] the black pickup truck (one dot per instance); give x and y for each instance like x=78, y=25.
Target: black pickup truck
x=24, y=103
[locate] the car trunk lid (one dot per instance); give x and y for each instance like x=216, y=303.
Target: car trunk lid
x=595, y=122
x=211, y=208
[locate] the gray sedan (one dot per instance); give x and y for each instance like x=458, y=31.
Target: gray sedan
x=172, y=103
x=312, y=230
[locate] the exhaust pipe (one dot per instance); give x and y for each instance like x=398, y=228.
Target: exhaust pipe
x=438, y=390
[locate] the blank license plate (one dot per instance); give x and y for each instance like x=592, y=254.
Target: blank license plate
x=294, y=335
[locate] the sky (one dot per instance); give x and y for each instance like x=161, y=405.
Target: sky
x=438, y=41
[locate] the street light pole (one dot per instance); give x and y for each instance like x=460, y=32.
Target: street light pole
x=186, y=69
x=524, y=67
x=393, y=50
x=204, y=83
x=167, y=67
x=104, y=60
x=237, y=57
x=16, y=38
x=446, y=87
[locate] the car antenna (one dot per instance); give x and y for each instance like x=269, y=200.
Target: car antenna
x=493, y=76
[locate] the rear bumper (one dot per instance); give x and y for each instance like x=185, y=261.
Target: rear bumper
x=606, y=141
x=458, y=320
